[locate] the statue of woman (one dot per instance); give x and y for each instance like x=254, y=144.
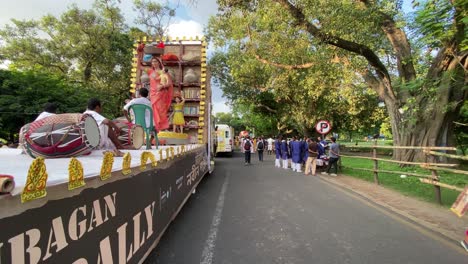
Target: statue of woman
x=160, y=93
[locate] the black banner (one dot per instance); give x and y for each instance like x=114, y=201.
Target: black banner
x=115, y=223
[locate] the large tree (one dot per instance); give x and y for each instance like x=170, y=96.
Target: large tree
x=90, y=47
x=296, y=97
x=421, y=77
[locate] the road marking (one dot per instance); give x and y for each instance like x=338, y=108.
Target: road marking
x=207, y=256
x=398, y=218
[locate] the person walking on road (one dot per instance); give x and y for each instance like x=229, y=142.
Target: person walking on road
x=334, y=154
x=278, y=151
x=247, y=149
x=311, y=163
x=270, y=145
x=260, y=148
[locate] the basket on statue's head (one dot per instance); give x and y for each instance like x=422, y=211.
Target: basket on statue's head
x=153, y=49
x=190, y=76
x=191, y=56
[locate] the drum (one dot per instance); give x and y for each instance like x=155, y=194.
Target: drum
x=130, y=134
x=22, y=139
x=61, y=136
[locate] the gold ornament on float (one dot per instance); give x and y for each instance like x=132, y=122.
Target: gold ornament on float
x=75, y=174
x=106, y=168
x=36, y=181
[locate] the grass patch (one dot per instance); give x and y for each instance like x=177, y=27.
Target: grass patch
x=410, y=186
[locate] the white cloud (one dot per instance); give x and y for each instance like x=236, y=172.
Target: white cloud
x=221, y=107
x=185, y=28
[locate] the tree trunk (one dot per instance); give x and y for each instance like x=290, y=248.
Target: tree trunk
x=87, y=71
x=433, y=123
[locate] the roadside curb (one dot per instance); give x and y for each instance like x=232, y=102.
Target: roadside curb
x=446, y=234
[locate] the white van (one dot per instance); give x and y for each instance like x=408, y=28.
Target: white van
x=225, y=139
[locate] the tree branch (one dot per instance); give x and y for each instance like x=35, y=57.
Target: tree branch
x=279, y=65
x=400, y=44
x=269, y=109
x=326, y=38
x=284, y=66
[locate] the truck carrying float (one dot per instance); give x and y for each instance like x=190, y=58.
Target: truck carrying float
x=100, y=208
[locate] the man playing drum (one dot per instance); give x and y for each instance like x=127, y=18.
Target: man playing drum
x=109, y=138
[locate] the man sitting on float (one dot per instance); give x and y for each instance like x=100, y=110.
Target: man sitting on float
x=107, y=129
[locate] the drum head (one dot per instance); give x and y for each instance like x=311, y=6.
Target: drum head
x=138, y=136
x=91, y=131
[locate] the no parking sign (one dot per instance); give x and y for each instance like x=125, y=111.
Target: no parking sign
x=323, y=127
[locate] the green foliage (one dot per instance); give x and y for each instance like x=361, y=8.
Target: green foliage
x=296, y=99
x=461, y=129
x=386, y=128
x=83, y=45
x=435, y=22
x=23, y=95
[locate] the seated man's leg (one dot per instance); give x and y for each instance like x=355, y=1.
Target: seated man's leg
x=115, y=140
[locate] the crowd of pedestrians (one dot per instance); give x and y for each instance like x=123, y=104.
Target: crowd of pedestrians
x=295, y=153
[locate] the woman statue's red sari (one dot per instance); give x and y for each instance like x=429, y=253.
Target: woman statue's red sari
x=161, y=94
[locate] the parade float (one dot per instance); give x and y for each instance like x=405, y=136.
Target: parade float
x=90, y=206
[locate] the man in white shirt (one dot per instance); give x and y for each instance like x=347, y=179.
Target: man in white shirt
x=139, y=100
x=49, y=110
x=270, y=145
x=107, y=128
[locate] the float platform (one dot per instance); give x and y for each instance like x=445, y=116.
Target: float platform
x=117, y=216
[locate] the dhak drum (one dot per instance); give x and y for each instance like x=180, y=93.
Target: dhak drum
x=61, y=136
x=130, y=134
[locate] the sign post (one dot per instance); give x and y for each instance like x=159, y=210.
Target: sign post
x=323, y=127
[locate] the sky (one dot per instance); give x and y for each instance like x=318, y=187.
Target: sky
x=190, y=20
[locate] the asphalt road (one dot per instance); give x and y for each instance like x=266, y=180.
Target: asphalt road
x=261, y=214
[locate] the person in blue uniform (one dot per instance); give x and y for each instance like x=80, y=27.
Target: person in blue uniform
x=296, y=158
x=284, y=153
x=278, y=151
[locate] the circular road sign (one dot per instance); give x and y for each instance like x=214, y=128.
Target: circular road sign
x=323, y=127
